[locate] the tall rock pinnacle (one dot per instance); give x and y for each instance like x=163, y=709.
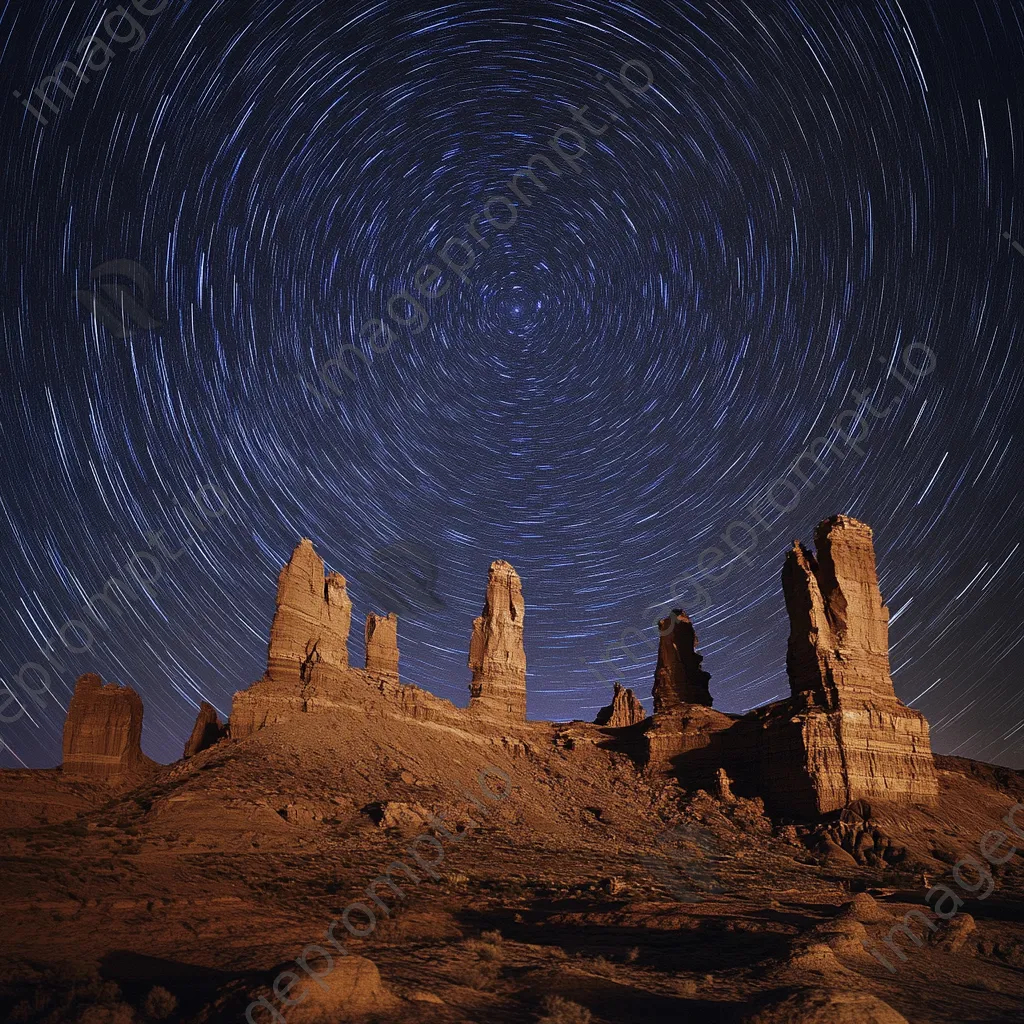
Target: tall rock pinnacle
x=382, y=644
x=496, y=654
x=678, y=676
x=312, y=619
x=838, y=647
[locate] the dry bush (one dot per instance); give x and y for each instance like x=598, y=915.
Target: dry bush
x=484, y=950
x=558, y=1010
x=482, y=975
x=159, y=1004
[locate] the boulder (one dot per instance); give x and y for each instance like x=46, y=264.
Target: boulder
x=102, y=732
x=625, y=709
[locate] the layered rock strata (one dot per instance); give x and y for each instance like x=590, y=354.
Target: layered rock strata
x=497, y=657
x=207, y=731
x=382, y=644
x=312, y=619
x=103, y=731
x=625, y=709
x=678, y=676
x=843, y=735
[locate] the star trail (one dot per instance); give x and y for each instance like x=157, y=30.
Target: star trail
x=745, y=216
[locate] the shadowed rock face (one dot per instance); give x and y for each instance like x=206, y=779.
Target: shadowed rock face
x=678, y=677
x=839, y=628
x=207, y=731
x=312, y=619
x=102, y=731
x=625, y=709
x=382, y=644
x=497, y=658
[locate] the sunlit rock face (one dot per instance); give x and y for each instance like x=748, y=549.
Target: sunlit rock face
x=382, y=644
x=312, y=620
x=497, y=657
x=102, y=732
x=625, y=709
x=843, y=735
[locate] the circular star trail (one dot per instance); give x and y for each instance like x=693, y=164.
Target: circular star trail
x=691, y=295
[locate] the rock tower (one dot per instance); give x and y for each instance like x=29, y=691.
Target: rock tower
x=102, y=732
x=497, y=658
x=312, y=619
x=678, y=677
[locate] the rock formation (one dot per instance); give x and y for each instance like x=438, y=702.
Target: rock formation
x=102, y=732
x=496, y=654
x=625, y=709
x=207, y=731
x=839, y=627
x=382, y=644
x=843, y=735
x=312, y=619
x=678, y=677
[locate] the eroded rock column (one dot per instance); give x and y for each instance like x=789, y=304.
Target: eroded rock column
x=312, y=619
x=497, y=657
x=678, y=676
x=103, y=731
x=382, y=644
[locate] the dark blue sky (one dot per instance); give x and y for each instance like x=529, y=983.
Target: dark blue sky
x=805, y=190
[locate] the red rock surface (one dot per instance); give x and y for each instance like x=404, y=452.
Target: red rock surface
x=497, y=658
x=207, y=731
x=312, y=620
x=102, y=732
x=625, y=709
x=678, y=677
x=843, y=735
x=839, y=628
x=382, y=644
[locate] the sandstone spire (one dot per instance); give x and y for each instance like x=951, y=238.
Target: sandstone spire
x=312, y=619
x=625, y=709
x=678, y=677
x=496, y=654
x=839, y=628
x=207, y=731
x=382, y=644
x=103, y=730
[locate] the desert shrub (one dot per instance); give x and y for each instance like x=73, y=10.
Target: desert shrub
x=484, y=950
x=558, y=1010
x=481, y=975
x=159, y=1004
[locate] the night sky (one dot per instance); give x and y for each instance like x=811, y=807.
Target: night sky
x=804, y=193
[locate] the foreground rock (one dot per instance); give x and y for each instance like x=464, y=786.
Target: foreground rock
x=497, y=657
x=103, y=731
x=625, y=709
